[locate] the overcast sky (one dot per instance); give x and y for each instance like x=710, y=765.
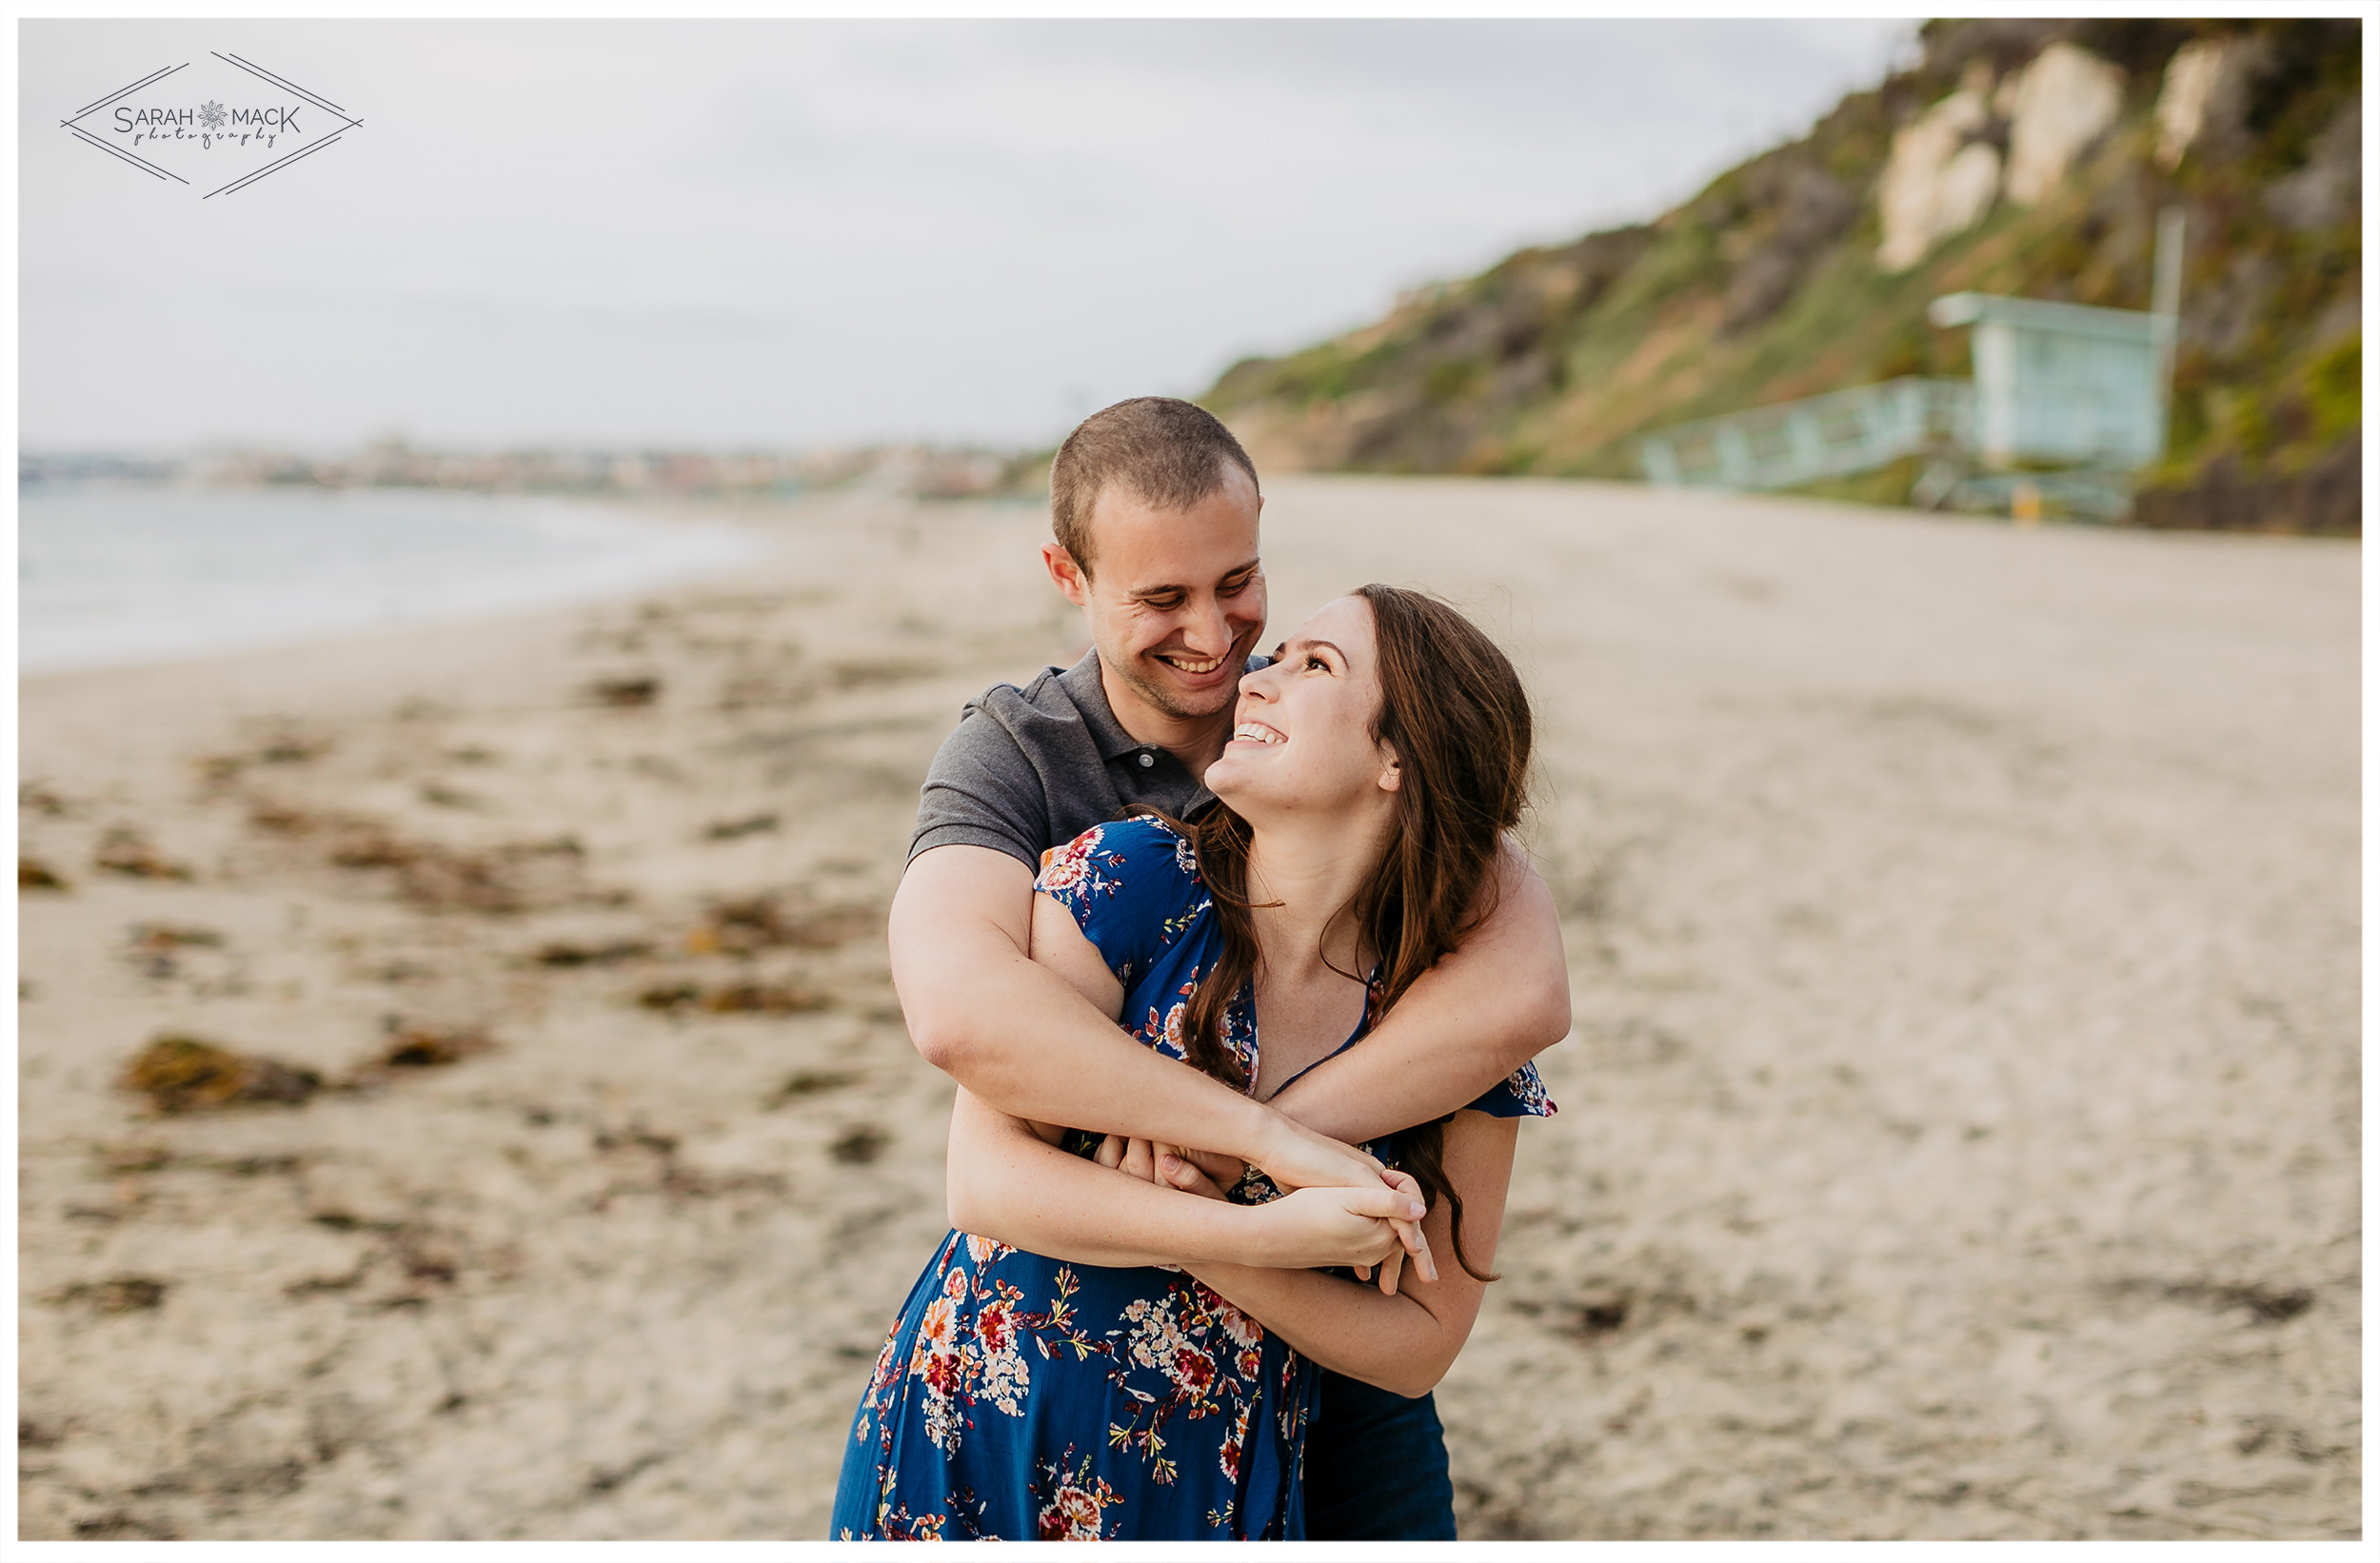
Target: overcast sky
x=798, y=233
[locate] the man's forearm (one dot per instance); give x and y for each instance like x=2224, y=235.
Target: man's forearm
x=1029, y=1042
x=1480, y=1013
x=1027, y=1045
x=1020, y=1037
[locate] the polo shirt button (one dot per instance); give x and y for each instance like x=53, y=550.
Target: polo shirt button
x=1147, y=759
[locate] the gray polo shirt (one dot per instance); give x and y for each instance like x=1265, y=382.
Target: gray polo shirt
x=1032, y=768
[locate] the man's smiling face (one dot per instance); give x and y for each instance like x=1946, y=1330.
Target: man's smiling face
x=1176, y=598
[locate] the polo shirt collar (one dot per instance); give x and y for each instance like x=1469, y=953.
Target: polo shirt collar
x=1084, y=687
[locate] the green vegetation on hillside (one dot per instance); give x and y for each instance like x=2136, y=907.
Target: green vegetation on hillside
x=1766, y=286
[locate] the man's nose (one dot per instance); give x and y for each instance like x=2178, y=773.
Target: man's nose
x=1208, y=631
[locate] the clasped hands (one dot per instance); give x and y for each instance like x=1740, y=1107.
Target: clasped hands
x=1373, y=1226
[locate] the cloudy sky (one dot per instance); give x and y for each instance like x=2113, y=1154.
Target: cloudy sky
x=794, y=233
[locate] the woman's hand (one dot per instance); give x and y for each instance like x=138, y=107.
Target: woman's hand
x=1322, y=1220
x=1206, y=1173
x=1314, y=1228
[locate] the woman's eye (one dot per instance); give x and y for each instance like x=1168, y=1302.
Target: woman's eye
x=1317, y=661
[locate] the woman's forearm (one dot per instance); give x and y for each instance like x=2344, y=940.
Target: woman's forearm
x=1007, y=1183
x=1395, y=1343
x=1403, y=1343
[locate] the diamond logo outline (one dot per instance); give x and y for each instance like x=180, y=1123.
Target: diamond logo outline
x=211, y=117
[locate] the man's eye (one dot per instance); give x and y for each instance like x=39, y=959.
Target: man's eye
x=1233, y=589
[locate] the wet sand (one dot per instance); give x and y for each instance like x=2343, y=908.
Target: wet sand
x=1959, y=1136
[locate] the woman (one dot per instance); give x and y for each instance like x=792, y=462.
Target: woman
x=1053, y=1374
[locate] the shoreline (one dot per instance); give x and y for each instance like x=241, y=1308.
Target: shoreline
x=1959, y=1136
x=655, y=517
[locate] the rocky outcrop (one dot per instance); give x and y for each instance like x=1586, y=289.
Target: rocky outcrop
x=1941, y=179
x=2190, y=84
x=1946, y=168
x=2057, y=107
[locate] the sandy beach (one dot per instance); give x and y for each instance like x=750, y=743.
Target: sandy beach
x=1959, y=1136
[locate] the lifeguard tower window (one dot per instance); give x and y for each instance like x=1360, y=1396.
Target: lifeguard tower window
x=2061, y=381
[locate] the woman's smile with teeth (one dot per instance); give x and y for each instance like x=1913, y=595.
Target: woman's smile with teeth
x=1256, y=732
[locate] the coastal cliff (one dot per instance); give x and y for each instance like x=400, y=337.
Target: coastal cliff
x=2026, y=157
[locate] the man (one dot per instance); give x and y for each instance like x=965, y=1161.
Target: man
x=1155, y=508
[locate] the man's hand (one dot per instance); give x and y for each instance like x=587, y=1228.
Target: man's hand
x=1298, y=1158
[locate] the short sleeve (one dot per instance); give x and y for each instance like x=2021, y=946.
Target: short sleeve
x=982, y=791
x=1132, y=887
x=1522, y=1094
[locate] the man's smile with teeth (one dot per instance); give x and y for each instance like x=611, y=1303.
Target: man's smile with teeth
x=1256, y=732
x=1188, y=664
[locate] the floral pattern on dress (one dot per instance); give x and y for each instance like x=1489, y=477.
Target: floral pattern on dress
x=1528, y=1089
x=1071, y=1502
x=1207, y=1351
x=1178, y=1369
x=1075, y=868
x=1025, y=1397
x=1079, y=873
x=967, y=1354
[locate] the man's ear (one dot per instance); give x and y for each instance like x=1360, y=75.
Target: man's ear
x=1071, y=577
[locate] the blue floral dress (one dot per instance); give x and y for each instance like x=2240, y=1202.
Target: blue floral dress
x=1027, y=1397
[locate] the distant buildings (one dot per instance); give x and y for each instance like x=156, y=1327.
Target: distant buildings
x=918, y=470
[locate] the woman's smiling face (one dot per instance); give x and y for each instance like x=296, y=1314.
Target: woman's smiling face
x=1302, y=737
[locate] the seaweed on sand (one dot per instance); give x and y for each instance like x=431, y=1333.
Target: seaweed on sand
x=734, y=998
x=181, y=1074
x=753, y=923
x=510, y=876
x=125, y=851
x=430, y=1047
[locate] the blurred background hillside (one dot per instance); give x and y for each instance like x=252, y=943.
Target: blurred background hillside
x=2024, y=157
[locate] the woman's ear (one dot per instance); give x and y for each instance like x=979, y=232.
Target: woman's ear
x=1391, y=777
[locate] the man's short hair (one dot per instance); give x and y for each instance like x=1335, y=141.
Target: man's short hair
x=1171, y=454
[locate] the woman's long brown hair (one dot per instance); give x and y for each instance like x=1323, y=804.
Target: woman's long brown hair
x=1453, y=714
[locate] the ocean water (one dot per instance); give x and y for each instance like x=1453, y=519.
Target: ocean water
x=111, y=575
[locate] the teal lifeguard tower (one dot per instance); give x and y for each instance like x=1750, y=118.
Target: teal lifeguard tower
x=2066, y=402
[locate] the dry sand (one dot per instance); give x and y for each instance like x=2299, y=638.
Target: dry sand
x=1959, y=1137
